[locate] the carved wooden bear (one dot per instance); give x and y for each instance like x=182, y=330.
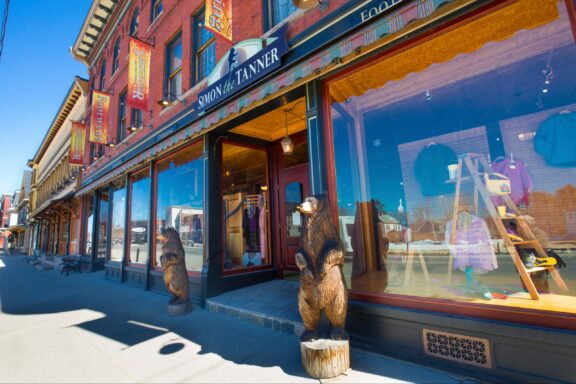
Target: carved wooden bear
x=174, y=265
x=320, y=259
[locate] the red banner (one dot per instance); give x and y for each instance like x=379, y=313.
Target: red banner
x=218, y=17
x=76, y=155
x=99, y=118
x=138, y=74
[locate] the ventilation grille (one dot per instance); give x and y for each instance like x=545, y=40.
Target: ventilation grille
x=460, y=348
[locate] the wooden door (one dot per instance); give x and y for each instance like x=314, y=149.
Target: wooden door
x=293, y=187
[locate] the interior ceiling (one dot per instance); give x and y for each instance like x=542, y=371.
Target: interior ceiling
x=272, y=125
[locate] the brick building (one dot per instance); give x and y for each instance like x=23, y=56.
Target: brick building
x=397, y=110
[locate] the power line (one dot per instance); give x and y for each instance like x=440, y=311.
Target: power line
x=4, y=22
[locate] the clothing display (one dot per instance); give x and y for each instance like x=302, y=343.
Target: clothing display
x=520, y=181
x=431, y=169
x=472, y=246
x=555, y=140
x=251, y=228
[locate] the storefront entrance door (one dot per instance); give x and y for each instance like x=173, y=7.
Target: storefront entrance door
x=293, y=188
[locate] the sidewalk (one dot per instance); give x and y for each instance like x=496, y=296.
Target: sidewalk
x=84, y=328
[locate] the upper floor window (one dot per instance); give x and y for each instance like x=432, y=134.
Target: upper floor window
x=204, y=48
x=134, y=22
x=156, y=9
x=135, y=119
x=102, y=75
x=116, y=56
x=121, y=133
x=174, y=67
x=279, y=10
x=92, y=86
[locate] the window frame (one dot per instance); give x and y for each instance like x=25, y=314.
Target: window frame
x=168, y=72
x=156, y=8
x=130, y=183
x=135, y=22
x=122, y=118
x=197, y=49
x=116, y=56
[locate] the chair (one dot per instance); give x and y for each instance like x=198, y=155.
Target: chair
x=71, y=264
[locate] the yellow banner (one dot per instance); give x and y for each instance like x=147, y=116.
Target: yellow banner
x=218, y=17
x=99, y=118
x=138, y=74
x=76, y=155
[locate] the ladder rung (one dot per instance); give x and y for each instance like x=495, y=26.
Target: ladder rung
x=537, y=269
x=524, y=242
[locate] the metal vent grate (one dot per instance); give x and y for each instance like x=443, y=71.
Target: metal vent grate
x=461, y=348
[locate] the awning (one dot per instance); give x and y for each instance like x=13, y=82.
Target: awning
x=66, y=194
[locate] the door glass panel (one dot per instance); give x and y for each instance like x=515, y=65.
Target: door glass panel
x=245, y=207
x=294, y=219
x=102, y=223
x=139, y=216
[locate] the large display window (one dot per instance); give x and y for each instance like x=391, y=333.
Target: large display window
x=246, y=204
x=103, y=205
x=180, y=201
x=88, y=223
x=117, y=243
x=139, y=217
x=455, y=169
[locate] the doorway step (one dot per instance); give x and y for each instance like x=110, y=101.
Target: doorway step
x=273, y=304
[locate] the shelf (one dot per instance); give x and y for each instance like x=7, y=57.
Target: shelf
x=537, y=269
x=524, y=242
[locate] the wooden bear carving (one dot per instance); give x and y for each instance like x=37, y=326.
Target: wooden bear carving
x=174, y=264
x=320, y=259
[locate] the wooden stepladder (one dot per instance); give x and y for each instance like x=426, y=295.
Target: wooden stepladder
x=473, y=163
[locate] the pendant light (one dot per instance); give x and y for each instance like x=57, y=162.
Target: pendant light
x=286, y=142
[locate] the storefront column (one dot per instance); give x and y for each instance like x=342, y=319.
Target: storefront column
x=317, y=164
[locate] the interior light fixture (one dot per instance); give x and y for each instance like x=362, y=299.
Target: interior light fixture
x=286, y=142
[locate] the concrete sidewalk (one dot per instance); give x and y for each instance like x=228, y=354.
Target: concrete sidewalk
x=84, y=328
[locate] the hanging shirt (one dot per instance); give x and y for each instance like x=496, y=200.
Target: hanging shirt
x=520, y=181
x=472, y=246
x=431, y=169
x=556, y=138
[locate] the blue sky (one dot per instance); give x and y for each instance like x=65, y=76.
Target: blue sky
x=36, y=71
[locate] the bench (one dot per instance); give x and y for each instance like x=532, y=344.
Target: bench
x=71, y=264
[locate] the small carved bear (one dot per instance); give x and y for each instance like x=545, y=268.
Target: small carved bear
x=174, y=265
x=320, y=259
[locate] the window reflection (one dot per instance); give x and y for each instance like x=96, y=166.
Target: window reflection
x=102, y=223
x=180, y=203
x=245, y=199
x=139, y=214
x=118, y=221
x=431, y=166
x=89, y=201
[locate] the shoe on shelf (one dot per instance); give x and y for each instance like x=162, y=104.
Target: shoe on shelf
x=529, y=261
x=544, y=262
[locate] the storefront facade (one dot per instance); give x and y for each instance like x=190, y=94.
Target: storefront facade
x=441, y=132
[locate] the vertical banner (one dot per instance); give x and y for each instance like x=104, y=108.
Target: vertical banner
x=99, y=118
x=76, y=156
x=138, y=74
x=218, y=17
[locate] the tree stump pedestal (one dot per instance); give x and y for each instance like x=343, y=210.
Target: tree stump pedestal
x=179, y=309
x=325, y=358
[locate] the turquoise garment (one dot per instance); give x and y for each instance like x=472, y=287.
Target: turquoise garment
x=431, y=169
x=556, y=140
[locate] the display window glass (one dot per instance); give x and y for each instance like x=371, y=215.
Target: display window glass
x=180, y=203
x=103, y=205
x=139, y=217
x=118, y=221
x=455, y=164
x=245, y=207
x=89, y=223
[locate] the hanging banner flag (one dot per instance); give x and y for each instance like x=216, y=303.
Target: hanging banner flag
x=76, y=155
x=218, y=17
x=138, y=74
x=99, y=118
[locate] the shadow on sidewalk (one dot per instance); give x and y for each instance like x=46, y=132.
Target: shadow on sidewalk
x=132, y=316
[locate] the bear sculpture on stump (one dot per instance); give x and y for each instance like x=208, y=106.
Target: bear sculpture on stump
x=175, y=275
x=320, y=259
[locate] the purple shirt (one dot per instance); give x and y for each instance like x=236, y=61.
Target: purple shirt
x=520, y=181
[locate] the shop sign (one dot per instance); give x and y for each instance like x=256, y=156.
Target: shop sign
x=242, y=67
x=99, y=118
x=218, y=17
x=376, y=8
x=76, y=155
x=138, y=74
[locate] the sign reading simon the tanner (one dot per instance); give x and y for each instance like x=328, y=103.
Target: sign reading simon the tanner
x=244, y=64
